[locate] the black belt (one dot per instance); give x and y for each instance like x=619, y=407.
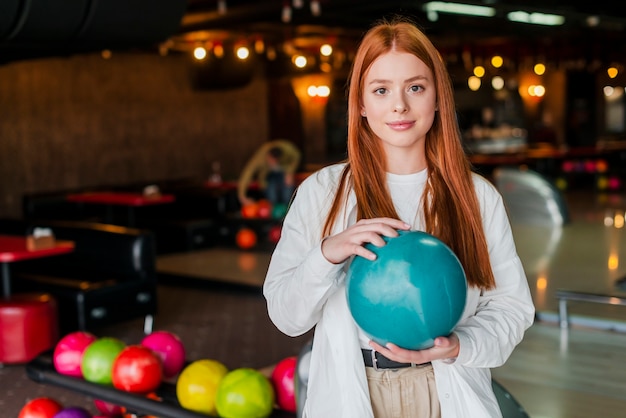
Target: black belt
x=378, y=361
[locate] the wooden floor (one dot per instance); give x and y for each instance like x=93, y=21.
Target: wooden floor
x=581, y=373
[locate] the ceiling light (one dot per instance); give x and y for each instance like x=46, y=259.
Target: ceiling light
x=536, y=18
x=434, y=7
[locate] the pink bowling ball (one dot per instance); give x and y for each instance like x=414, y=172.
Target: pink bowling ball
x=169, y=348
x=108, y=409
x=68, y=353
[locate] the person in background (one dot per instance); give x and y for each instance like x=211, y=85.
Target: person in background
x=273, y=166
x=405, y=170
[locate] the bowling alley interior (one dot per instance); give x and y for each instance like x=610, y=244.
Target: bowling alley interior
x=125, y=128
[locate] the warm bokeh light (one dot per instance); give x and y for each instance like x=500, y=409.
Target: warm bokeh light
x=326, y=50
x=199, y=53
x=539, y=69
x=259, y=46
x=271, y=54
x=300, y=61
x=542, y=283
x=536, y=90
x=323, y=91
x=243, y=53
x=326, y=67
x=497, y=83
x=618, y=221
x=479, y=71
x=218, y=51
x=473, y=83
x=497, y=61
x=613, y=262
x=612, y=72
x=318, y=91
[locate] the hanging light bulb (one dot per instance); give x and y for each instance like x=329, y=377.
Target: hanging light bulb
x=221, y=7
x=316, y=9
x=297, y=4
x=286, y=13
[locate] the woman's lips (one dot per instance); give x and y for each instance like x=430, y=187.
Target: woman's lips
x=401, y=125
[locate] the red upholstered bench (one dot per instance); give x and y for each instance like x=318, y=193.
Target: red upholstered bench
x=29, y=324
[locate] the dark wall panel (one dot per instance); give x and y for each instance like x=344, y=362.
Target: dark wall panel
x=85, y=121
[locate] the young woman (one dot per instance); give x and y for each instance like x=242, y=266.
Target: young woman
x=406, y=169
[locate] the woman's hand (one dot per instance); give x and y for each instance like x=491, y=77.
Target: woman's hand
x=338, y=248
x=444, y=348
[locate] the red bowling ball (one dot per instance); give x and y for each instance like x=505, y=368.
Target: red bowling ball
x=68, y=353
x=283, y=380
x=264, y=209
x=137, y=369
x=274, y=233
x=108, y=409
x=170, y=350
x=40, y=408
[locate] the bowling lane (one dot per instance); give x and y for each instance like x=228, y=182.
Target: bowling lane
x=588, y=254
x=225, y=265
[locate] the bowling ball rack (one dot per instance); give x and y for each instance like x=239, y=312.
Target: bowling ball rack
x=41, y=370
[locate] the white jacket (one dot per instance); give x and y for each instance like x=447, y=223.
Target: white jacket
x=304, y=290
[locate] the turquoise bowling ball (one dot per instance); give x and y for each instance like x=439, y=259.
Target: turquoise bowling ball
x=279, y=211
x=412, y=293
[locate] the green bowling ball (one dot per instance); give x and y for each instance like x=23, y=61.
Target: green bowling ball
x=245, y=393
x=98, y=358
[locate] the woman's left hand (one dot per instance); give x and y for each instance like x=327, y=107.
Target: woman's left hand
x=444, y=348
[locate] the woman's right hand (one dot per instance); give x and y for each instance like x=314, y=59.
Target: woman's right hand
x=338, y=248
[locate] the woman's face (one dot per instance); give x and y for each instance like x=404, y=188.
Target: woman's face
x=399, y=102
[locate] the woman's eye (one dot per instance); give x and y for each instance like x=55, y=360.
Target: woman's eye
x=416, y=88
x=380, y=90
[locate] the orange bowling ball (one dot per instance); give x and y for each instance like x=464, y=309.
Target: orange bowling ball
x=250, y=210
x=246, y=238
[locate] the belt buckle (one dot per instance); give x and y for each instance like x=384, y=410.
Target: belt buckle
x=374, y=360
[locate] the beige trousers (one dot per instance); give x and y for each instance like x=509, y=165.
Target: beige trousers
x=404, y=393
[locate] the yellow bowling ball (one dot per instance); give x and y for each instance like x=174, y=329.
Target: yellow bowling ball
x=197, y=384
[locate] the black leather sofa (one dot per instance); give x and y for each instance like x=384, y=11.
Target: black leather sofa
x=109, y=277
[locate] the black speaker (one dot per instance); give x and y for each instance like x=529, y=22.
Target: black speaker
x=89, y=21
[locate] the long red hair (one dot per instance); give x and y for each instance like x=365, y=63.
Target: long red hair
x=451, y=208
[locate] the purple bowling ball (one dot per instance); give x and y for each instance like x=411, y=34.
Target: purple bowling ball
x=73, y=412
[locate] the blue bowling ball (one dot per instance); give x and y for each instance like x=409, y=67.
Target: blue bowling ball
x=412, y=293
